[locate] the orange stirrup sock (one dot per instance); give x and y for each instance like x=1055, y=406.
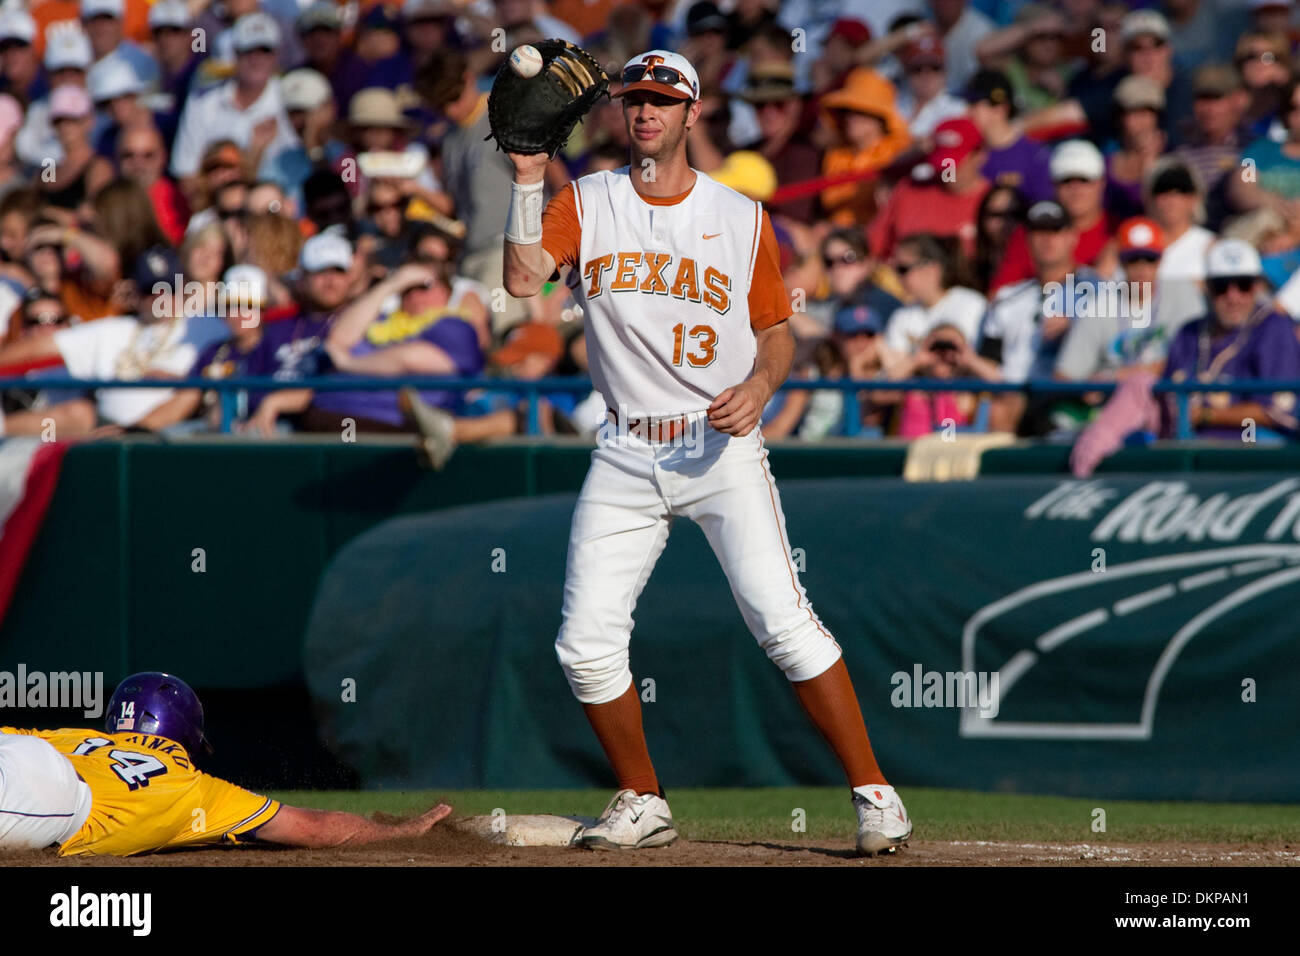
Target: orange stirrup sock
x=618, y=727
x=833, y=706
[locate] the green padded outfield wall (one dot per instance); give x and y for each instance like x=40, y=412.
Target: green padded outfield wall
x=456, y=679
x=1142, y=632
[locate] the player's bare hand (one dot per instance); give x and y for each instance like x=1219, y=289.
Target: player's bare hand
x=737, y=410
x=430, y=818
x=529, y=167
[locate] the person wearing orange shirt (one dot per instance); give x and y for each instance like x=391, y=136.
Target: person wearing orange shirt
x=871, y=134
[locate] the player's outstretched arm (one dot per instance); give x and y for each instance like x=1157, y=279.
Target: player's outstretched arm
x=527, y=264
x=296, y=826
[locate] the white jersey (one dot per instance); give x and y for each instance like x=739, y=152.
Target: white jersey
x=125, y=348
x=672, y=290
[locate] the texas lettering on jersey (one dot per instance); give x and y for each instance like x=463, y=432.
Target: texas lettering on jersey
x=673, y=289
x=647, y=273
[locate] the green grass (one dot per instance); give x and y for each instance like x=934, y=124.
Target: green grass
x=768, y=814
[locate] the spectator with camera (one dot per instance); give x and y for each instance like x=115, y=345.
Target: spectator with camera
x=945, y=354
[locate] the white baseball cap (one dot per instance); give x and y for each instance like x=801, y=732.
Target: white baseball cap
x=112, y=77
x=246, y=284
x=1144, y=23
x=169, y=13
x=98, y=8
x=67, y=50
x=255, y=31
x=1230, y=258
x=321, y=13
x=639, y=73
x=1076, y=159
x=325, y=251
x=17, y=24
x=304, y=89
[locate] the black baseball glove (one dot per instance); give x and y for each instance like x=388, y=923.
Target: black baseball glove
x=536, y=114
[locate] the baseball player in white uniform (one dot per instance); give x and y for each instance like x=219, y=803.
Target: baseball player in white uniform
x=685, y=314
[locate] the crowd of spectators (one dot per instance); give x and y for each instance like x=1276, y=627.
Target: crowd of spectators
x=983, y=190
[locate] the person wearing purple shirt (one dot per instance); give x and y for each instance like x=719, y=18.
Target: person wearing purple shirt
x=1241, y=339
x=1013, y=159
x=425, y=335
x=292, y=348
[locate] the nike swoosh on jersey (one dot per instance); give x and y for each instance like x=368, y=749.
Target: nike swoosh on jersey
x=714, y=236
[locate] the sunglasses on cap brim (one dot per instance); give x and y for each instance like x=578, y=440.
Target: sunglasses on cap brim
x=1240, y=283
x=665, y=75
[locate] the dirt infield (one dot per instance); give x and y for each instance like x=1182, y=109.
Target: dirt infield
x=449, y=847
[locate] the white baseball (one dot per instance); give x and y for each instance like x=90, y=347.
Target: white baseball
x=526, y=61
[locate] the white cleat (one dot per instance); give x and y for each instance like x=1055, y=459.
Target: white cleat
x=631, y=822
x=883, y=824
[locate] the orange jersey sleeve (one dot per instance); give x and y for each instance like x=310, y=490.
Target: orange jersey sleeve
x=769, y=303
x=562, y=227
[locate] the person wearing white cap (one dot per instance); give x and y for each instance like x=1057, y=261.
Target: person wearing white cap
x=428, y=26
x=310, y=105
x=67, y=58
x=325, y=265
x=688, y=338
x=170, y=27
x=19, y=64
x=103, y=23
x=1242, y=337
x=217, y=22
x=247, y=109
x=241, y=295
x=1078, y=174
x=115, y=89
x=1148, y=53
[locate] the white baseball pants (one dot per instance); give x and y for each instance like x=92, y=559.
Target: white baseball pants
x=42, y=800
x=633, y=491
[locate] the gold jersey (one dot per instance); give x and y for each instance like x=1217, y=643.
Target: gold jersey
x=147, y=795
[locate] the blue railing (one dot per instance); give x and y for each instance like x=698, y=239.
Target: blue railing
x=534, y=389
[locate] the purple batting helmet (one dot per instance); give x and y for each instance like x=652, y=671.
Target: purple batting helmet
x=159, y=704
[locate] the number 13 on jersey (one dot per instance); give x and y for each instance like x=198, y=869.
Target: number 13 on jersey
x=702, y=347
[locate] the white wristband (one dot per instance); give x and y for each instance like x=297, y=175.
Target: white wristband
x=524, y=221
